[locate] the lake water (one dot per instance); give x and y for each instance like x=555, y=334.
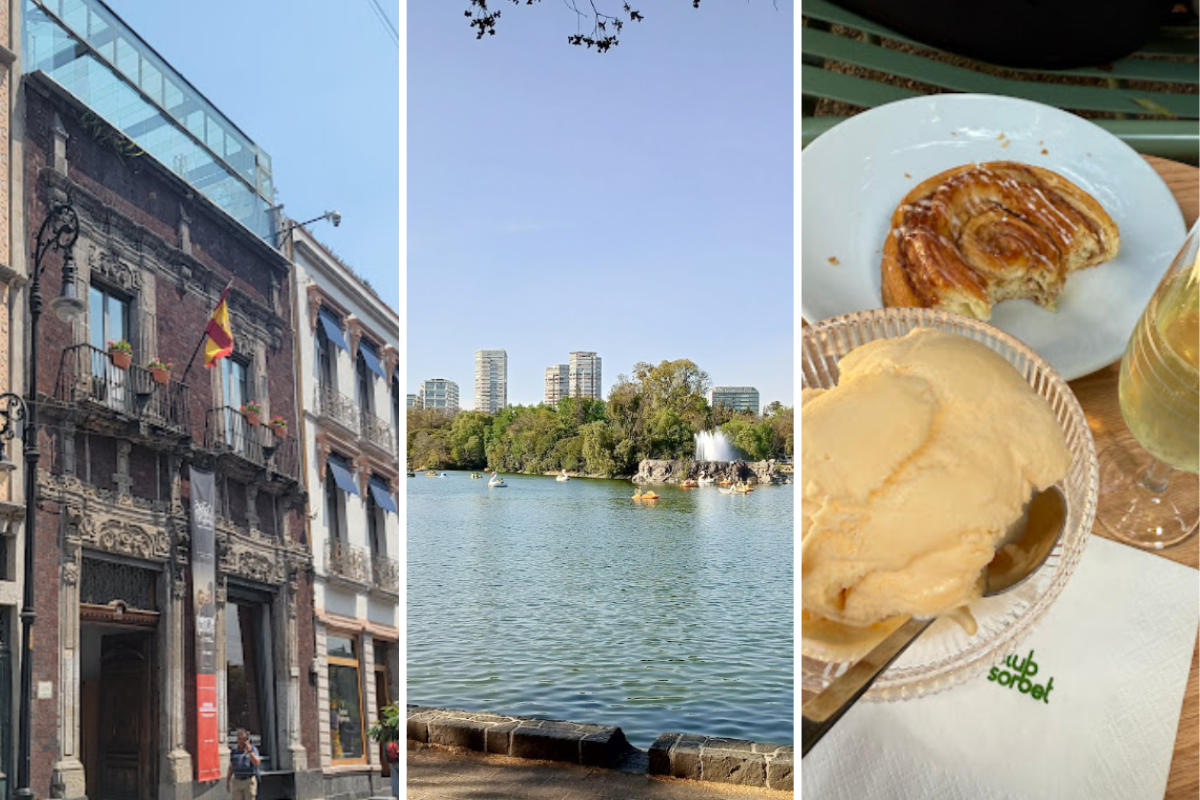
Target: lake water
x=571, y=601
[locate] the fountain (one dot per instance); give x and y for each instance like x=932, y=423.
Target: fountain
x=713, y=446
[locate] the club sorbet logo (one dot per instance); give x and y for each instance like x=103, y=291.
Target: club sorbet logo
x=1018, y=676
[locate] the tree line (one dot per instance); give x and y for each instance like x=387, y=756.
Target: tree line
x=653, y=413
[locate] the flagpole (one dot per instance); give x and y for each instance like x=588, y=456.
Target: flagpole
x=204, y=335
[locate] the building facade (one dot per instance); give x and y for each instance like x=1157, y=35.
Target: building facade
x=439, y=393
x=491, y=380
x=557, y=384
x=734, y=398
x=412, y=401
x=350, y=389
x=584, y=376
x=115, y=709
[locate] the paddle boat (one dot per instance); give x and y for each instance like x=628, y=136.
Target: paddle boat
x=563, y=477
x=431, y=474
x=704, y=481
x=475, y=476
x=496, y=482
x=640, y=495
x=742, y=488
x=690, y=483
x=725, y=489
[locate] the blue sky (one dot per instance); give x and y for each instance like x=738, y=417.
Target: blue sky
x=636, y=203
x=316, y=84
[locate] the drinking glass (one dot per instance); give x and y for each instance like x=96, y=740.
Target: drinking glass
x=1150, y=495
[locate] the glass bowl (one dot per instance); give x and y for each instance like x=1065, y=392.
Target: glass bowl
x=945, y=655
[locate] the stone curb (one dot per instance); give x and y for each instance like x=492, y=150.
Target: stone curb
x=519, y=737
x=679, y=755
x=712, y=758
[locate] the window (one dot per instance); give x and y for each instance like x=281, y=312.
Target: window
x=326, y=365
x=345, y=699
x=108, y=321
x=248, y=674
x=365, y=382
x=376, y=530
x=333, y=508
x=396, y=404
x=236, y=391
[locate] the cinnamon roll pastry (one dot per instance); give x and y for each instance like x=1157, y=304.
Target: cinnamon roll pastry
x=974, y=235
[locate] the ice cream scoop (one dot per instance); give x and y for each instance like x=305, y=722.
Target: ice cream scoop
x=1023, y=552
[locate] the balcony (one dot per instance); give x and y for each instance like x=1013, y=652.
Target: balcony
x=249, y=450
x=348, y=562
x=378, y=433
x=385, y=574
x=115, y=399
x=337, y=408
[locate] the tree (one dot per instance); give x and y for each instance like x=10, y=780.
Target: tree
x=606, y=26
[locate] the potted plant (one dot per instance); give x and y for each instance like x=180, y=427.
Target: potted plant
x=387, y=732
x=161, y=370
x=279, y=426
x=121, y=353
x=253, y=413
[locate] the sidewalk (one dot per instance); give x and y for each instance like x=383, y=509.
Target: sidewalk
x=440, y=774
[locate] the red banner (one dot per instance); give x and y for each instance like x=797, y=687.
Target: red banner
x=208, y=761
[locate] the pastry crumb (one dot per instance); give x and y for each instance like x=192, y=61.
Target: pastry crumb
x=1001, y=136
x=907, y=175
x=1006, y=144
x=1045, y=152
x=834, y=260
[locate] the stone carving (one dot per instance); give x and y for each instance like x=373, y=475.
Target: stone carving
x=115, y=536
x=107, y=264
x=70, y=574
x=354, y=331
x=314, y=305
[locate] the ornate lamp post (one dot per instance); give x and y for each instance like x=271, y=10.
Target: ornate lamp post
x=59, y=231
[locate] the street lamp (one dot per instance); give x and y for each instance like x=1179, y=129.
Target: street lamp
x=59, y=232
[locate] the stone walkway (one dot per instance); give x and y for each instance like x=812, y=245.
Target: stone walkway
x=439, y=774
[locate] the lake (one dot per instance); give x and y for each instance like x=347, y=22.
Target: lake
x=571, y=601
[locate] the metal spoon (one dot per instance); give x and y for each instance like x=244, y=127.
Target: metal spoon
x=1030, y=542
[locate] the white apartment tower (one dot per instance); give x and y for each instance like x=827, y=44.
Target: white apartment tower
x=556, y=384
x=439, y=393
x=583, y=377
x=491, y=380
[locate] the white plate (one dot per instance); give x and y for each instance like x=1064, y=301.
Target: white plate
x=854, y=176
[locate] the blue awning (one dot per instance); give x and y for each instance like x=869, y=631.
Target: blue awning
x=368, y=354
x=383, y=498
x=332, y=329
x=342, y=476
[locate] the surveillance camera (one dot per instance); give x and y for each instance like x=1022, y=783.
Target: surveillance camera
x=335, y=217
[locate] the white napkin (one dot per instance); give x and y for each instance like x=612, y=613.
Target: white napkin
x=1118, y=645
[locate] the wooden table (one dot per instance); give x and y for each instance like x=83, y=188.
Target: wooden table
x=1097, y=394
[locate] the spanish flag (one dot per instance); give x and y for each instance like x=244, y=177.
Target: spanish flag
x=220, y=334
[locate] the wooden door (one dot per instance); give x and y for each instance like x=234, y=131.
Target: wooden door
x=126, y=743
x=381, y=700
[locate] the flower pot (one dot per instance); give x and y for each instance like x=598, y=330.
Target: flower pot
x=253, y=418
x=120, y=359
x=160, y=375
x=280, y=431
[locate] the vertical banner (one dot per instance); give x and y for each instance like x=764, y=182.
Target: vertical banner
x=204, y=576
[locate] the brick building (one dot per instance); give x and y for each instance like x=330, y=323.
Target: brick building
x=114, y=657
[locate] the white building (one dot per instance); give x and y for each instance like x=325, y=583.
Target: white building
x=557, y=386
x=491, y=380
x=735, y=398
x=348, y=357
x=412, y=401
x=584, y=378
x=439, y=393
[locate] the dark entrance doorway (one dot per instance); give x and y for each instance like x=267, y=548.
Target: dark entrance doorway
x=119, y=752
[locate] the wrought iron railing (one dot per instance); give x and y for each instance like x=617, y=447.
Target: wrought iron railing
x=228, y=431
x=378, y=432
x=87, y=375
x=337, y=407
x=347, y=561
x=385, y=573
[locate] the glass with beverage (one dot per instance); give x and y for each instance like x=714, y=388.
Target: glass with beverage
x=1150, y=495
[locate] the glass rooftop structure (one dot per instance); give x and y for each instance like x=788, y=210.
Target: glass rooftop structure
x=88, y=50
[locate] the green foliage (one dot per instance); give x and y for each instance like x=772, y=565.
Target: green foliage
x=656, y=413
x=387, y=728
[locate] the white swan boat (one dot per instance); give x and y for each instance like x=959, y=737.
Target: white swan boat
x=496, y=482
x=563, y=477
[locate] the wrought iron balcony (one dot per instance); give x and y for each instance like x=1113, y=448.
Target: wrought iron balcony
x=88, y=377
x=348, y=562
x=385, y=574
x=336, y=407
x=227, y=431
x=377, y=432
